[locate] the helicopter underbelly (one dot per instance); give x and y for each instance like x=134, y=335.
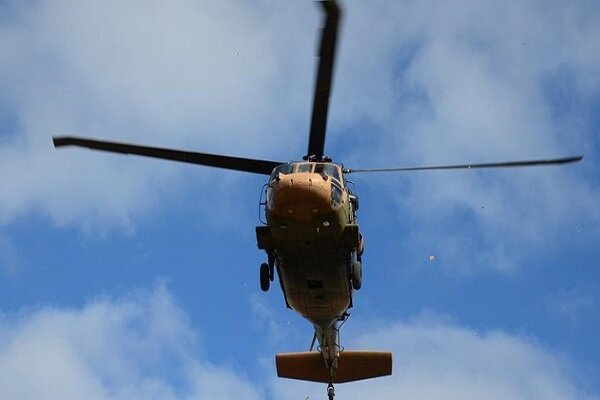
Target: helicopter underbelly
x=315, y=280
x=313, y=258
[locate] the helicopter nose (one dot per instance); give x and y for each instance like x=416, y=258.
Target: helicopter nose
x=300, y=196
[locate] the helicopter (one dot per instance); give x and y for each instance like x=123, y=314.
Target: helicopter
x=311, y=236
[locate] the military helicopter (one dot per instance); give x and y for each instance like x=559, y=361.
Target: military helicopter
x=311, y=235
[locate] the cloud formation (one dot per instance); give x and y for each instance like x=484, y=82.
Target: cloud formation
x=437, y=359
x=142, y=347
x=418, y=82
x=474, y=82
x=191, y=75
x=138, y=347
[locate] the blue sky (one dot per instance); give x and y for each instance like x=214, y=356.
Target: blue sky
x=122, y=277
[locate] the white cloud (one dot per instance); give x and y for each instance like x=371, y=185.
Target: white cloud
x=439, y=82
x=140, y=347
x=211, y=76
x=474, y=82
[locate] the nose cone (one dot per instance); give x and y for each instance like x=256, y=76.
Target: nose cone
x=300, y=196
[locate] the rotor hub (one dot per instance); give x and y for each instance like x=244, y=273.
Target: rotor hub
x=316, y=158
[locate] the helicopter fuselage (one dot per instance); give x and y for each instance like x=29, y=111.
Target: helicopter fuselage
x=312, y=238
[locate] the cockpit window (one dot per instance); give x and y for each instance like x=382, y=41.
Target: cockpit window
x=325, y=169
x=282, y=169
x=336, y=195
x=328, y=170
x=305, y=167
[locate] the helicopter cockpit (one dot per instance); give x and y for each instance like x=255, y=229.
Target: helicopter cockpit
x=327, y=170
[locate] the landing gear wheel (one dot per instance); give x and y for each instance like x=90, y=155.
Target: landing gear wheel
x=356, y=275
x=265, y=280
x=330, y=391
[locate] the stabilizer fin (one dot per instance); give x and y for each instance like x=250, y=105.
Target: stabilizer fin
x=352, y=366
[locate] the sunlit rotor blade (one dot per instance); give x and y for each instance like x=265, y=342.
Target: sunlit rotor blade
x=504, y=164
x=318, y=123
x=211, y=160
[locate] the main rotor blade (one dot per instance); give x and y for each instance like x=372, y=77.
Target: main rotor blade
x=318, y=125
x=211, y=160
x=504, y=164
